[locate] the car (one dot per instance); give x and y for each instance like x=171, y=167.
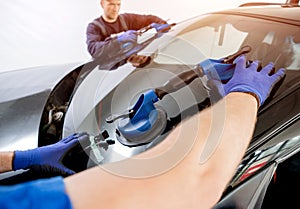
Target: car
x=124, y=99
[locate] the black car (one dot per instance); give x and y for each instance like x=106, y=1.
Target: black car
x=103, y=95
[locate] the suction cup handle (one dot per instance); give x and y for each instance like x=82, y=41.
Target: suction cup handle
x=144, y=106
x=147, y=123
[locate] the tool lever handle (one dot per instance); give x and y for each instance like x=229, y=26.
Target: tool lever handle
x=176, y=83
x=229, y=59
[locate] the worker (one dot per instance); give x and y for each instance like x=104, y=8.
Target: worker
x=195, y=178
x=105, y=32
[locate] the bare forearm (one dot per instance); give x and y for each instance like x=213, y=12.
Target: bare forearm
x=6, y=161
x=226, y=144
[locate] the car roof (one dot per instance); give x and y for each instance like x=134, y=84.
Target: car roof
x=280, y=13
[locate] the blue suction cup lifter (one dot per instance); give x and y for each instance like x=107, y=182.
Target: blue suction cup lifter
x=147, y=119
x=143, y=109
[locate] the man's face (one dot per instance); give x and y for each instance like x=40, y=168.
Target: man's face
x=111, y=9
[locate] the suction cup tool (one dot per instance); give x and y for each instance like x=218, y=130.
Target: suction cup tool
x=148, y=122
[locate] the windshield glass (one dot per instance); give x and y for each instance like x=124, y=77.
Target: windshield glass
x=107, y=94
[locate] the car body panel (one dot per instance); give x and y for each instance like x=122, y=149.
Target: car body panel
x=22, y=102
x=276, y=13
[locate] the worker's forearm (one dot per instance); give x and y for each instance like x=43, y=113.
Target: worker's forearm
x=6, y=159
x=221, y=157
x=223, y=135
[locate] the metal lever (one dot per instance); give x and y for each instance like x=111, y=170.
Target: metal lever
x=112, y=118
x=178, y=82
x=149, y=27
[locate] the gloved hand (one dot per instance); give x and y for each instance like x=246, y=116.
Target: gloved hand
x=160, y=27
x=217, y=69
x=127, y=39
x=249, y=80
x=49, y=157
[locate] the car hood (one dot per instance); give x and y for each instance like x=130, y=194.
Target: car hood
x=23, y=96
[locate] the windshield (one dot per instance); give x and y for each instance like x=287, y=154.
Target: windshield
x=111, y=93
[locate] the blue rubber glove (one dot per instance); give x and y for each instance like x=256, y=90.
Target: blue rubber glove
x=49, y=157
x=249, y=80
x=217, y=69
x=127, y=39
x=160, y=27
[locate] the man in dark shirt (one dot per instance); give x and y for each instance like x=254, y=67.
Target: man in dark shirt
x=106, y=30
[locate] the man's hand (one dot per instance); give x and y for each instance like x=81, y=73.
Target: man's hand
x=221, y=69
x=250, y=80
x=127, y=39
x=49, y=157
x=161, y=27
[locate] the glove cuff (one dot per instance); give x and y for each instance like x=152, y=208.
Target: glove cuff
x=247, y=90
x=24, y=159
x=256, y=97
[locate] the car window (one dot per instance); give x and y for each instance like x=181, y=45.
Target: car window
x=204, y=42
x=220, y=35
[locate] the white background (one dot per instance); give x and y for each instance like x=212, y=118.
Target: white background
x=39, y=32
